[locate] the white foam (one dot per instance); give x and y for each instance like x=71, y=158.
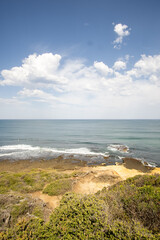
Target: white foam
x=83, y=151
x=147, y=164
x=119, y=157
x=17, y=147
x=22, y=151
x=6, y=154
x=118, y=148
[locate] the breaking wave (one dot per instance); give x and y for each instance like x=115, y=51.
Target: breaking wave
x=116, y=152
x=22, y=151
x=119, y=148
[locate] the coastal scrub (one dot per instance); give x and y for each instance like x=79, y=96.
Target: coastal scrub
x=58, y=187
x=27, y=182
x=126, y=210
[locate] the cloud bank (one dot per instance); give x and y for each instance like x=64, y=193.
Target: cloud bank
x=72, y=89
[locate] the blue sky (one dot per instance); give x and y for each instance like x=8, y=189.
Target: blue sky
x=80, y=59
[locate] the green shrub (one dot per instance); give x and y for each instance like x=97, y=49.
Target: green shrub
x=20, y=209
x=25, y=229
x=141, y=180
x=78, y=218
x=28, y=182
x=127, y=210
x=130, y=230
x=37, y=211
x=136, y=198
x=58, y=187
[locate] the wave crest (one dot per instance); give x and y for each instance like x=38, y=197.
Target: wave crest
x=119, y=148
x=22, y=151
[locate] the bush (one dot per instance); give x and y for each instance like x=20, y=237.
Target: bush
x=78, y=218
x=128, y=210
x=28, y=182
x=136, y=198
x=58, y=187
x=25, y=229
x=13, y=207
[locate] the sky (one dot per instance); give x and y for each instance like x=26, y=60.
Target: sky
x=79, y=59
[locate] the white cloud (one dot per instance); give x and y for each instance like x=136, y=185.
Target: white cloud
x=122, y=31
x=118, y=65
x=103, y=68
x=12, y=101
x=155, y=79
x=34, y=67
x=147, y=67
x=76, y=90
x=36, y=93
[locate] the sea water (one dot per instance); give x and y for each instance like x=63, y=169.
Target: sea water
x=91, y=140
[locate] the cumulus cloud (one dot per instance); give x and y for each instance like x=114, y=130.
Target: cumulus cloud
x=147, y=67
x=34, y=67
x=118, y=65
x=122, y=31
x=103, y=68
x=70, y=86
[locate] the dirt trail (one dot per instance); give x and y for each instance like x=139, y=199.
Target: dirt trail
x=94, y=180
x=51, y=201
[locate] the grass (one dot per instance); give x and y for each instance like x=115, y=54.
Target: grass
x=58, y=187
x=14, y=207
x=20, y=209
x=37, y=211
x=28, y=182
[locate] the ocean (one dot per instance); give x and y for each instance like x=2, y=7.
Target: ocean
x=94, y=141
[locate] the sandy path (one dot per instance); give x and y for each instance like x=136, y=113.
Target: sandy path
x=51, y=201
x=95, y=179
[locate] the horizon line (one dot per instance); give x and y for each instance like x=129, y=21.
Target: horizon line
x=79, y=119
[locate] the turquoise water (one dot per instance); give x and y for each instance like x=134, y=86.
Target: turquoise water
x=90, y=140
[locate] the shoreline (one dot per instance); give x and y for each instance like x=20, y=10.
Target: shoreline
x=27, y=165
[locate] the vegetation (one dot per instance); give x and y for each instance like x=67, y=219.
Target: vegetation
x=14, y=207
x=136, y=198
x=128, y=210
x=58, y=187
x=28, y=182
